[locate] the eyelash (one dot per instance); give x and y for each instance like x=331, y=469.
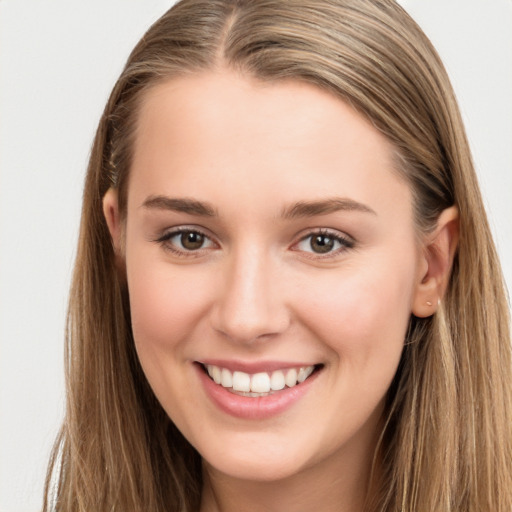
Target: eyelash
x=165, y=241
x=345, y=243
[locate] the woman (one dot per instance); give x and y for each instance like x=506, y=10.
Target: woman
x=286, y=293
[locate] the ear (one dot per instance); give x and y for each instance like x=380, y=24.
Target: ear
x=111, y=213
x=436, y=263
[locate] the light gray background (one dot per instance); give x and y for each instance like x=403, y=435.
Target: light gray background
x=58, y=62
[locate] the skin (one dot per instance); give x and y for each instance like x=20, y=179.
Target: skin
x=257, y=290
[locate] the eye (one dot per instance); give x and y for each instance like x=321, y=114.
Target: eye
x=324, y=243
x=185, y=241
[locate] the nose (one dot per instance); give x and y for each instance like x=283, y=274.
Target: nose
x=250, y=303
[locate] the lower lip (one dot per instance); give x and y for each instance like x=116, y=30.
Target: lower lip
x=253, y=408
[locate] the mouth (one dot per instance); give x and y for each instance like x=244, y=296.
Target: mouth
x=259, y=384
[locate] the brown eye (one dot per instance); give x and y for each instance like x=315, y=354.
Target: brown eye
x=185, y=241
x=324, y=243
x=191, y=240
x=321, y=244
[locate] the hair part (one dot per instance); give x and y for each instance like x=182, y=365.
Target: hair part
x=447, y=444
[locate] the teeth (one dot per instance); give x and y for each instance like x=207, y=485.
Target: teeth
x=304, y=373
x=226, y=379
x=258, y=383
x=241, y=381
x=291, y=378
x=216, y=375
x=277, y=381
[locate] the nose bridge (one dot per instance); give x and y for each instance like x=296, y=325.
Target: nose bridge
x=250, y=302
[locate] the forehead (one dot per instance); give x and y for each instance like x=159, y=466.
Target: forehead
x=281, y=139
x=282, y=112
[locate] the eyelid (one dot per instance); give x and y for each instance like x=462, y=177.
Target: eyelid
x=168, y=234
x=346, y=241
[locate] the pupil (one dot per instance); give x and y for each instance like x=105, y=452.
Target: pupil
x=192, y=240
x=322, y=244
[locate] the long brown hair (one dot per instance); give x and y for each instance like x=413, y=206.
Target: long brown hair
x=447, y=441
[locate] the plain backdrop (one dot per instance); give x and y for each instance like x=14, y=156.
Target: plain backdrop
x=58, y=62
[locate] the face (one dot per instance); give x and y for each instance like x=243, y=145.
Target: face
x=272, y=265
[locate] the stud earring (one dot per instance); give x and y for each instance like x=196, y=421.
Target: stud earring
x=429, y=303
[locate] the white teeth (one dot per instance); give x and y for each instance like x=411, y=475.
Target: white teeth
x=258, y=383
x=291, y=377
x=226, y=379
x=241, y=381
x=215, y=374
x=304, y=373
x=277, y=381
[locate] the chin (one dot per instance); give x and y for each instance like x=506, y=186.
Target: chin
x=263, y=469
x=254, y=462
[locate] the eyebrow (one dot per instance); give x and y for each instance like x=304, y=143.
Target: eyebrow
x=323, y=207
x=299, y=209
x=182, y=205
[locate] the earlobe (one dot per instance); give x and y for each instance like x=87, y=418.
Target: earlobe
x=112, y=217
x=436, y=263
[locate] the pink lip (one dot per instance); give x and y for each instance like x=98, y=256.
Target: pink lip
x=253, y=408
x=253, y=367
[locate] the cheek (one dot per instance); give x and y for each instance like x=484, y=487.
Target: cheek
x=364, y=317
x=165, y=306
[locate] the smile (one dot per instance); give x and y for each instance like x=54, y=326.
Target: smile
x=258, y=384
x=256, y=391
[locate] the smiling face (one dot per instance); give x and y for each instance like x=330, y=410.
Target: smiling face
x=267, y=233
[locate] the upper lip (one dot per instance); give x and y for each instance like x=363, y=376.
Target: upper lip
x=252, y=367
